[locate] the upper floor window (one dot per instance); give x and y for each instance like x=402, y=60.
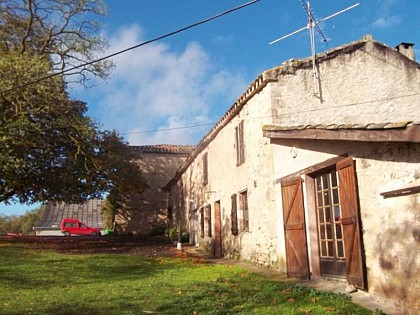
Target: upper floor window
x=205, y=169
x=239, y=141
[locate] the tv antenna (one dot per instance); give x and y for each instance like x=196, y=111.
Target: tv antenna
x=312, y=26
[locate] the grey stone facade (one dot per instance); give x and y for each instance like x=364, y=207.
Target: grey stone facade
x=146, y=213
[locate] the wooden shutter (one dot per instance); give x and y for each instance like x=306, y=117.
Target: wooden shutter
x=205, y=169
x=234, y=215
x=239, y=141
x=202, y=222
x=217, y=230
x=350, y=221
x=294, y=229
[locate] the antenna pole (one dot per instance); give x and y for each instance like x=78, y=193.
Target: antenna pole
x=311, y=25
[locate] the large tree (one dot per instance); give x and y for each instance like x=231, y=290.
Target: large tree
x=49, y=148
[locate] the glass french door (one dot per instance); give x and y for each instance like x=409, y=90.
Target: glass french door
x=330, y=229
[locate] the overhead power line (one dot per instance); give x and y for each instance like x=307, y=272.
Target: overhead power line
x=166, y=129
x=133, y=47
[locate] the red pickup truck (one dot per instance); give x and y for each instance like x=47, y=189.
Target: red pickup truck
x=73, y=226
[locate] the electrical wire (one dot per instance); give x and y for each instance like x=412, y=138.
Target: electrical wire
x=132, y=47
x=282, y=114
x=167, y=129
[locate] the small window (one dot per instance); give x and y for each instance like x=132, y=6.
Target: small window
x=208, y=217
x=205, y=169
x=243, y=203
x=239, y=141
x=234, y=215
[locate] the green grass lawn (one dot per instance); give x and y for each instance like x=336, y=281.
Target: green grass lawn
x=34, y=281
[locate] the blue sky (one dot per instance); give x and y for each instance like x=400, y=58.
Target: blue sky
x=193, y=77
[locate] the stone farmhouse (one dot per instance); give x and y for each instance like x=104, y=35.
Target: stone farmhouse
x=146, y=213
x=316, y=173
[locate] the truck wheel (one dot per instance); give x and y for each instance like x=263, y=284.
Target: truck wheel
x=66, y=233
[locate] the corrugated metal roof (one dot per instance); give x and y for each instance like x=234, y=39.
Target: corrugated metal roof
x=89, y=212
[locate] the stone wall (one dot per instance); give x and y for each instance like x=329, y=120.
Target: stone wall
x=361, y=83
x=146, y=213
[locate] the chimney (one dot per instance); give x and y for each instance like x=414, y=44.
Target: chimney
x=407, y=50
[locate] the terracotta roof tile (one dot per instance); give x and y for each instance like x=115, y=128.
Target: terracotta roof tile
x=164, y=148
x=369, y=126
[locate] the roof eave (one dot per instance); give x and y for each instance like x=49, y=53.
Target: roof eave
x=409, y=133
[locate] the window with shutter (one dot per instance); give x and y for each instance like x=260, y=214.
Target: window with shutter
x=208, y=216
x=234, y=215
x=243, y=202
x=239, y=141
x=202, y=222
x=205, y=169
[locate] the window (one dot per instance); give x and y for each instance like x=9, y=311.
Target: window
x=234, y=215
x=202, y=222
x=239, y=141
x=205, y=169
x=208, y=217
x=243, y=203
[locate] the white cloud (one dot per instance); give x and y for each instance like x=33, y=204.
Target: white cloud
x=387, y=18
x=387, y=22
x=155, y=87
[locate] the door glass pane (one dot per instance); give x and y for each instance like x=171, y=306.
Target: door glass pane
x=325, y=181
x=329, y=231
x=322, y=230
x=331, y=249
x=338, y=231
x=326, y=198
x=340, y=249
x=323, y=249
x=327, y=214
x=337, y=213
x=333, y=179
x=321, y=215
x=320, y=201
x=335, y=196
x=318, y=184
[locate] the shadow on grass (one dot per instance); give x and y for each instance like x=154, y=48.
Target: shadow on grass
x=47, y=282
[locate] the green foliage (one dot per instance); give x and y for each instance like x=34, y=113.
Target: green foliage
x=22, y=224
x=65, y=31
x=45, y=282
x=50, y=150
x=172, y=235
x=108, y=212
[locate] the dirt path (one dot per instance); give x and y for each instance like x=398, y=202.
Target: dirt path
x=155, y=246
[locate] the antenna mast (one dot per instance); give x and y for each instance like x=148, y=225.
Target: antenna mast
x=313, y=25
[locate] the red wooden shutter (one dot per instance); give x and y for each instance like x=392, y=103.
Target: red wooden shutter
x=350, y=220
x=294, y=229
